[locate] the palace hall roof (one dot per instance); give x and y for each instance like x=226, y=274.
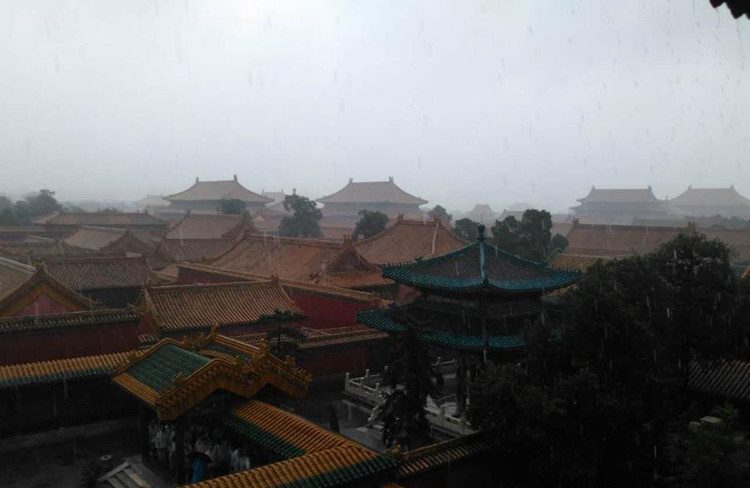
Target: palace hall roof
x=710, y=197
x=88, y=273
x=105, y=239
x=729, y=380
x=217, y=190
x=208, y=226
x=329, y=468
x=201, y=306
x=12, y=274
x=630, y=240
x=448, y=453
x=98, y=219
x=87, y=318
x=329, y=263
x=576, y=262
x=172, y=377
x=313, y=456
x=42, y=282
x=407, y=240
x=620, y=195
x=480, y=267
x=290, y=285
x=179, y=250
x=281, y=432
x=372, y=192
x=58, y=370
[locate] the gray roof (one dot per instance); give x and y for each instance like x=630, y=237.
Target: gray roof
x=714, y=197
x=217, y=190
x=372, y=192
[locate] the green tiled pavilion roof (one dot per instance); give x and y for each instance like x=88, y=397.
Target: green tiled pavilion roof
x=158, y=370
x=481, y=267
x=381, y=320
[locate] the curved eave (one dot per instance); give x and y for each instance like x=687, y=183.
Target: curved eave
x=382, y=321
x=559, y=280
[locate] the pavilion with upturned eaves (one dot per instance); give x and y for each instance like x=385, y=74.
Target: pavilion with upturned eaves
x=202, y=377
x=473, y=302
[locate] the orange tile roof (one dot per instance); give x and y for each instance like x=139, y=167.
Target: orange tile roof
x=292, y=285
x=576, y=262
x=407, y=240
x=200, y=226
x=338, y=466
x=184, y=307
x=180, y=250
x=100, y=219
x=331, y=263
x=88, y=318
x=440, y=455
x=108, y=239
x=372, y=192
x=216, y=191
x=61, y=369
x=628, y=240
x=286, y=428
x=88, y=273
x=42, y=281
x=12, y=274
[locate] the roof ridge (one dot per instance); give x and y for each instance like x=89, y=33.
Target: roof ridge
x=196, y=286
x=12, y=263
x=303, y=241
x=72, y=259
x=310, y=286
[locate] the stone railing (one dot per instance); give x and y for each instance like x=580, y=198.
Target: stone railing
x=369, y=389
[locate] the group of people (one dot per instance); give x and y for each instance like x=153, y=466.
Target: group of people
x=208, y=453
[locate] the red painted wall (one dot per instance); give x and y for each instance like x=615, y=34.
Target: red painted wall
x=322, y=311
x=47, y=344
x=325, y=312
x=42, y=305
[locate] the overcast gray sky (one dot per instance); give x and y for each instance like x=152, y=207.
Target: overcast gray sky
x=461, y=101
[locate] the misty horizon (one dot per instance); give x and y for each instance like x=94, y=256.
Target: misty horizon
x=461, y=103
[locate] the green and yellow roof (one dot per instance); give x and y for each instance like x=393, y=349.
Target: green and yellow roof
x=311, y=456
x=481, y=267
x=171, y=377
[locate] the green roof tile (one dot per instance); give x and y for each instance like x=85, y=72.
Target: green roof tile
x=381, y=320
x=481, y=267
x=159, y=369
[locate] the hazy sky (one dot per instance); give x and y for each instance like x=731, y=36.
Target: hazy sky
x=461, y=101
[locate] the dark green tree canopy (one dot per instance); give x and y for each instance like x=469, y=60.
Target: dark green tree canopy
x=305, y=218
x=466, y=229
x=602, y=398
x=529, y=237
x=370, y=224
x=231, y=206
x=438, y=211
x=32, y=206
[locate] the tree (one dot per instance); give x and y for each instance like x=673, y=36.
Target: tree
x=232, y=206
x=441, y=213
x=710, y=455
x=304, y=221
x=370, y=224
x=605, y=393
x=529, y=237
x=32, y=206
x=411, y=379
x=466, y=229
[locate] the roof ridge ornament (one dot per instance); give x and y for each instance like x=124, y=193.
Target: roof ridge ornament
x=481, y=230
